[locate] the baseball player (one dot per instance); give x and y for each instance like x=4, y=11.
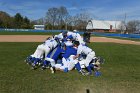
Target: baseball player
x=46, y=47
x=67, y=60
x=67, y=64
x=68, y=41
x=90, y=54
x=52, y=57
x=76, y=36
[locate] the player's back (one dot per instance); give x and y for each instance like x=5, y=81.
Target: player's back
x=55, y=53
x=69, y=51
x=51, y=43
x=83, y=49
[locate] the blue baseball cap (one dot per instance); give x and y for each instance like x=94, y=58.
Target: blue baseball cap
x=97, y=73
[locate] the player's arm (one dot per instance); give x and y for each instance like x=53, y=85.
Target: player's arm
x=60, y=36
x=79, y=51
x=76, y=56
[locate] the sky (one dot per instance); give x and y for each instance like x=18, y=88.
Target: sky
x=97, y=9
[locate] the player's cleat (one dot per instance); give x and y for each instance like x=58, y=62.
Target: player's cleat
x=47, y=67
x=82, y=72
x=33, y=66
x=65, y=70
x=27, y=63
x=28, y=59
x=88, y=74
x=25, y=60
x=52, y=70
x=43, y=67
x=100, y=60
x=40, y=64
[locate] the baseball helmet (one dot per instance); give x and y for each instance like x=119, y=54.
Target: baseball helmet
x=74, y=30
x=69, y=37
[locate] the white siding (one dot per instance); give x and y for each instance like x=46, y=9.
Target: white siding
x=98, y=24
x=39, y=27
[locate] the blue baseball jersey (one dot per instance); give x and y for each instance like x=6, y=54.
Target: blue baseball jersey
x=69, y=51
x=55, y=53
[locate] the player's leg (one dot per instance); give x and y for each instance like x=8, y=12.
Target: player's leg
x=64, y=67
x=71, y=65
x=36, y=63
x=39, y=51
x=57, y=66
x=78, y=67
x=52, y=62
x=88, y=60
x=30, y=59
x=38, y=54
x=46, y=50
x=45, y=64
x=82, y=63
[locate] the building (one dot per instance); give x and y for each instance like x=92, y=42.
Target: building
x=39, y=27
x=105, y=26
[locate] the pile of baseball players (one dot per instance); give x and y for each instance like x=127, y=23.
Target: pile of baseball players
x=65, y=52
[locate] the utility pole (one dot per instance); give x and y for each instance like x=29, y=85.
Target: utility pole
x=125, y=19
x=125, y=23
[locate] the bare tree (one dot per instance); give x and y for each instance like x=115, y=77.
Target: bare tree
x=133, y=26
x=59, y=17
x=63, y=13
x=52, y=15
x=121, y=28
x=80, y=21
x=39, y=21
x=68, y=22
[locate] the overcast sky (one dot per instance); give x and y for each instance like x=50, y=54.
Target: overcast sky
x=99, y=9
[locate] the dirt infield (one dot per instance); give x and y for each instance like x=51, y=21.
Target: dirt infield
x=41, y=38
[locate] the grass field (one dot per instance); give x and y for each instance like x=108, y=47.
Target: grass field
x=132, y=39
x=120, y=73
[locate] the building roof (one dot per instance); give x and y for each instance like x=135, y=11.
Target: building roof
x=99, y=24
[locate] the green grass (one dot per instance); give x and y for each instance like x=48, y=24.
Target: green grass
x=120, y=73
x=132, y=39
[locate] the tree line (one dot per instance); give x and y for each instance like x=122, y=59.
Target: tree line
x=133, y=26
x=57, y=18
x=60, y=19
x=17, y=21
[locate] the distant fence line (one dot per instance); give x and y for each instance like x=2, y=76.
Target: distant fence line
x=30, y=30
x=34, y=30
x=118, y=35
x=95, y=33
